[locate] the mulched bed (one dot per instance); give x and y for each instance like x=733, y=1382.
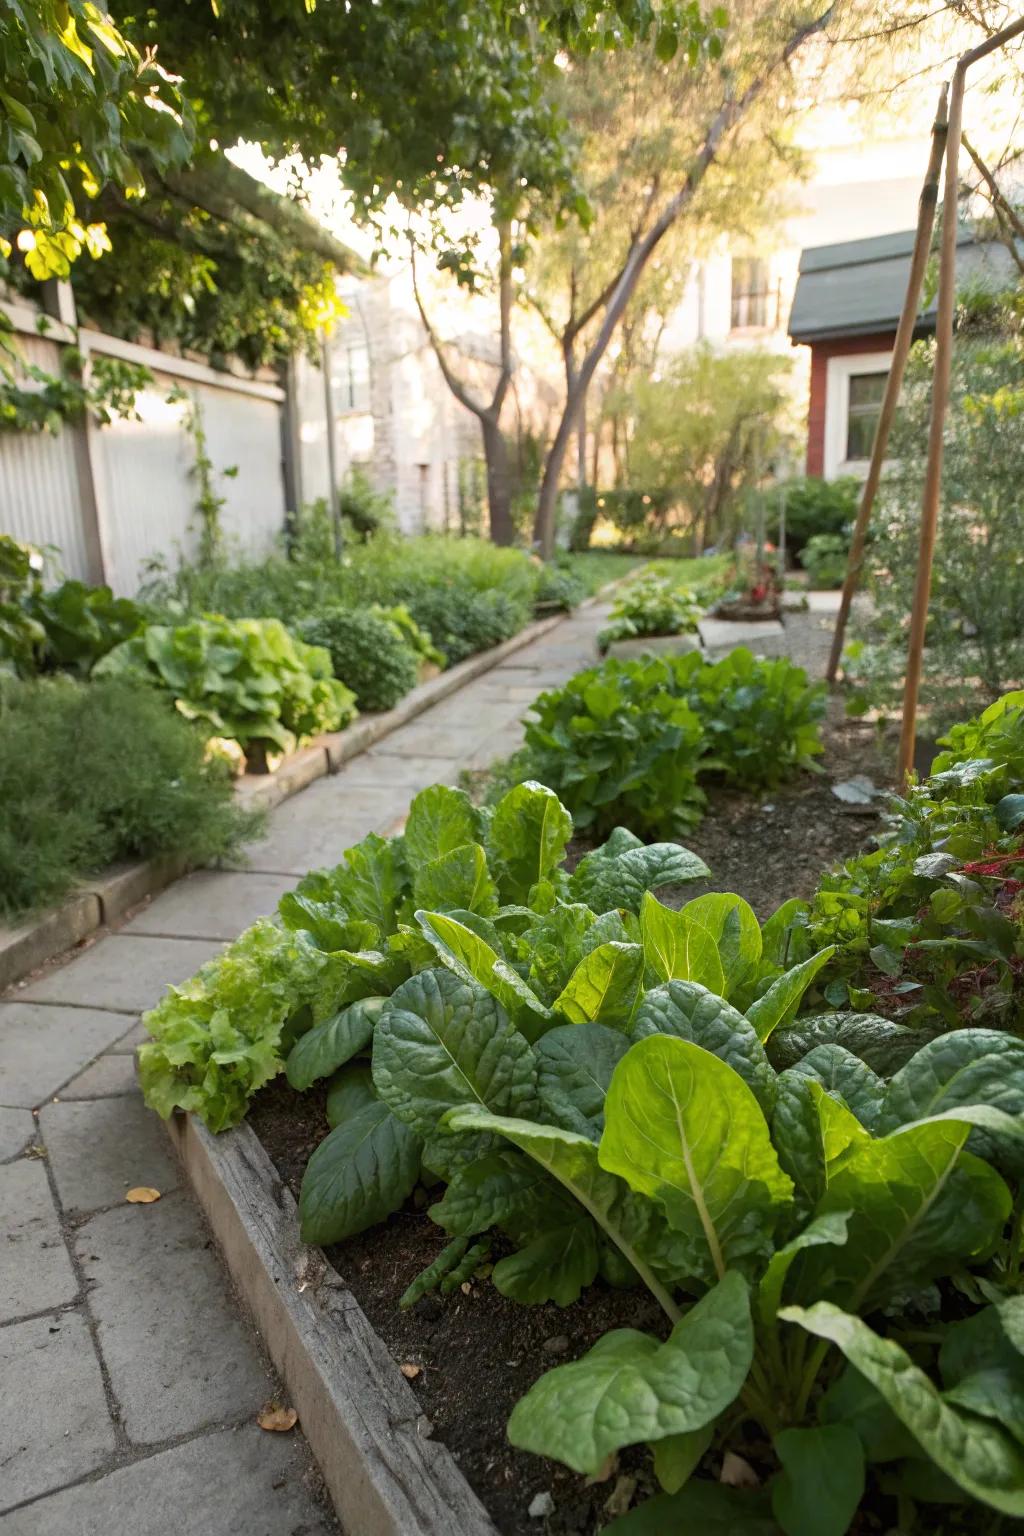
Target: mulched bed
x=478, y=1353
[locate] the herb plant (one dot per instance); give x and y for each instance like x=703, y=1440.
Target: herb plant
x=650, y=605
x=367, y=652
x=249, y=680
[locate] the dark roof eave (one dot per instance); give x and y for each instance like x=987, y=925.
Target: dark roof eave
x=924, y=327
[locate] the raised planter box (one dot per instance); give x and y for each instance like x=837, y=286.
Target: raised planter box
x=363, y=1422
x=659, y=645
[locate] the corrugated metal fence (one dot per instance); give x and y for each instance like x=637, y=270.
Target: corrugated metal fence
x=112, y=499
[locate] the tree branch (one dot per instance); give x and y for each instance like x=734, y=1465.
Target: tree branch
x=1000, y=204
x=458, y=389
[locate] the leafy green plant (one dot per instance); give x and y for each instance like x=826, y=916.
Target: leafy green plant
x=793, y=1208
x=21, y=636
x=815, y=506
x=366, y=651
x=650, y=605
x=365, y=510
x=559, y=588
x=928, y=927
x=82, y=624
x=627, y=741
x=90, y=774
x=824, y=558
x=481, y=877
x=249, y=680
x=416, y=638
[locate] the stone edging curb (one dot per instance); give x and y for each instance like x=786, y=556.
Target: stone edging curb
x=103, y=900
x=386, y=1476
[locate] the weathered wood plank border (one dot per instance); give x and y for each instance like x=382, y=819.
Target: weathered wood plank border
x=385, y=1474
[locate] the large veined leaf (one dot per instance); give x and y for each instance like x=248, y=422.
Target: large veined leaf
x=630, y=1388
x=605, y=880
x=574, y=1068
x=981, y=1369
x=573, y=1161
x=783, y=940
x=796, y=1121
x=852, y=1400
x=327, y=921
x=459, y=878
x=369, y=883
x=605, y=988
x=495, y=1187
x=463, y=951
x=678, y=947
x=691, y=1012
x=782, y=998
x=361, y=1172
x=527, y=838
x=440, y=820
x=683, y=1128
x=702, y=1508
x=736, y=932
x=327, y=1046
x=920, y=1206
x=553, y=945
x=964, y=1067
x=882, y=1044
x=979, y=1456
x=349, y=1090
x=555, y=1265
x=441, y=1042
x=821, y=1482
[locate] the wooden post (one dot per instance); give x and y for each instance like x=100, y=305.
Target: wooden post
x=901, y=348
x=940, y=395
x=332, y=455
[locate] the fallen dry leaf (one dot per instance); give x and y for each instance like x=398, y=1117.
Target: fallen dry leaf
x=279, y=1419
x=621, y=1498
x=142, y=1195
x=410, y=1371
x=738, y=1473
x=465, y=1288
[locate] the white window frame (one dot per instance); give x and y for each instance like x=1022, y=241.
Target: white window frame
x=837, y=408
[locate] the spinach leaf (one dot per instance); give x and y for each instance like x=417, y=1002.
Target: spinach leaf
x=361, y=1172
x=527, y=838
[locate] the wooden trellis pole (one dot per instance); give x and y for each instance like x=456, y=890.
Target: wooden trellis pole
x=901, y=348
x=940, y=393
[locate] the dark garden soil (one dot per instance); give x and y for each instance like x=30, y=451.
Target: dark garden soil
x=478, y=1353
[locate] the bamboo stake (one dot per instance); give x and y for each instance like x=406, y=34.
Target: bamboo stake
x=901, y=349
x=940, y=395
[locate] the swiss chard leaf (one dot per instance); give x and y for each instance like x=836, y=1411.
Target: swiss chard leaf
x=964, y=1067
x=980, y=1456
x=736, y=933
x=527, y=838
x=458, y=878
x=821, y=1482
x=326, y=1047
x=884, y=1045
x=574, y=1068
x=606, y=879
x=691, y=1012
x=361, y=1172
x=470, y=957
x=440, y=820
x=605, y=988
x=683, y=1128
x=442, y=1042
x=782, y=998
x=677, y=947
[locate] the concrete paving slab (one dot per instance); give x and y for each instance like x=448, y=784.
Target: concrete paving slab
x=122, y=973
x=56, y=1427
x=211, y=905
x=17, y=1128
x=110, y=1077
x=41, y=1046
x=178, y=1354
x=130, y=1042
x=313, y=830
x=237, y=1482
x=404, y=775
x=427, y=739
x=99, y=1148
x=727, y=634
x=35, y=1271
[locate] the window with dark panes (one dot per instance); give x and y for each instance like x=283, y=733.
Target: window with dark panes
x=751, y=294
x=352, y=376
x=864, y=407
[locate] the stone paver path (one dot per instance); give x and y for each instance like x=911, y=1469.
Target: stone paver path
x=131, y=1378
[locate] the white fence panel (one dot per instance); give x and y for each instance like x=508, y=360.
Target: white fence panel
x=40, y=486
x=149, y=488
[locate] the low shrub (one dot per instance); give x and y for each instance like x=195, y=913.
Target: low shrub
x=367, y=652
x=82, y=624
x=824, y=558
x=815, y=506
x=248, y=679
x=415, y=637
x=90, y=774
x=21, y=636
x=628, y=740
x=559, y=588
x=651, y=604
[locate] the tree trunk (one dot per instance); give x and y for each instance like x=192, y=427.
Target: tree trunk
x=499, y=482
x=581, y=449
